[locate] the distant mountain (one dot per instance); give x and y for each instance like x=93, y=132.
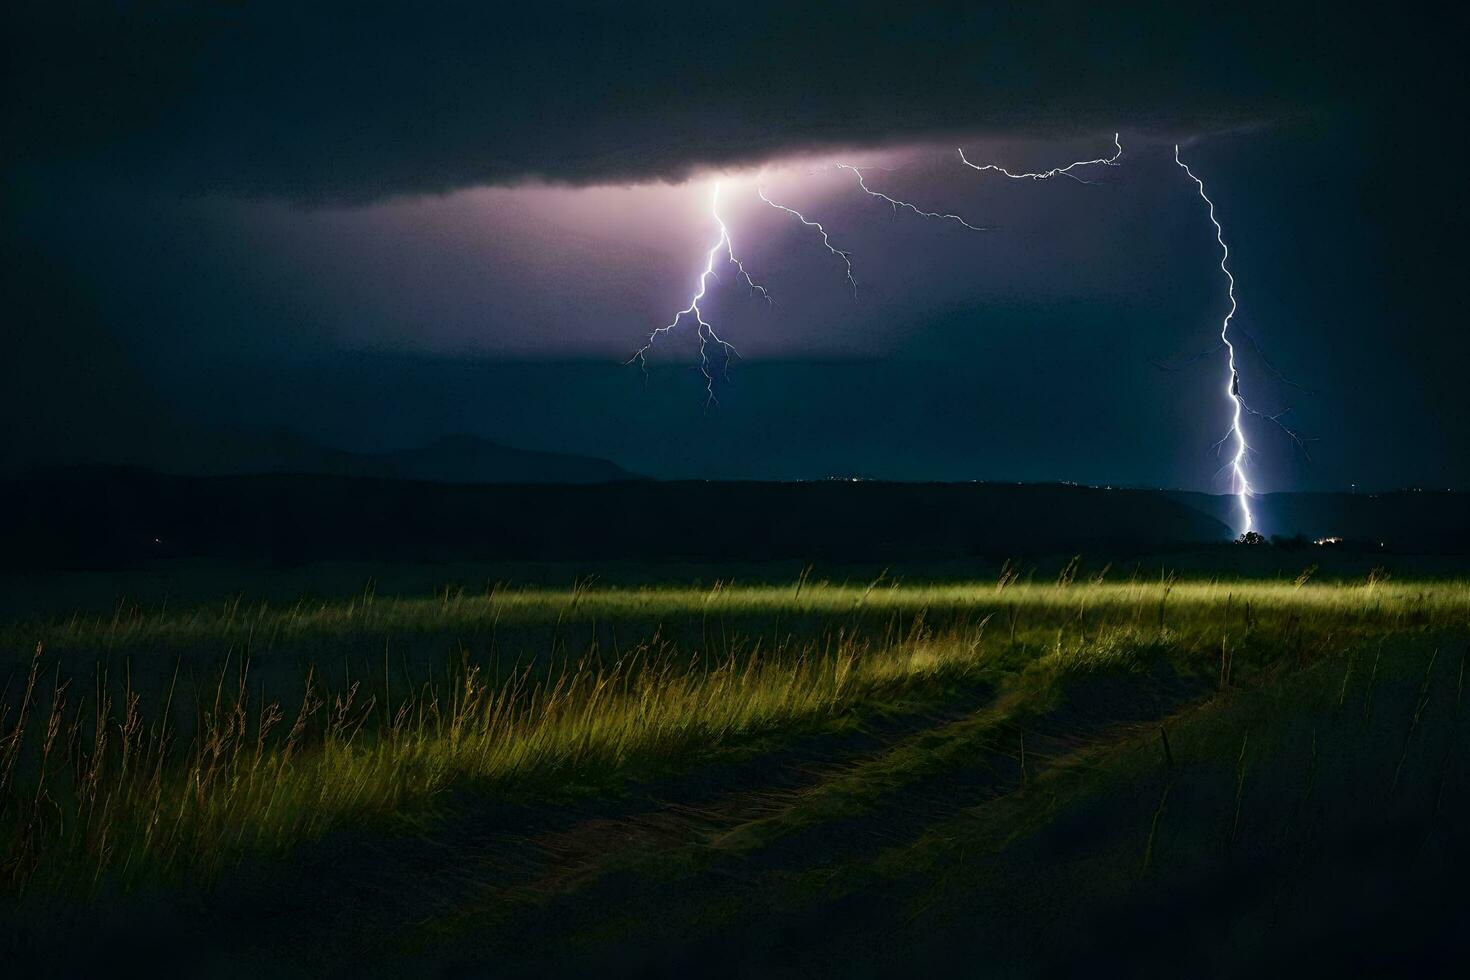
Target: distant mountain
x=109, y=516
x=452, y=459
x=182, y=448
x=106, y=516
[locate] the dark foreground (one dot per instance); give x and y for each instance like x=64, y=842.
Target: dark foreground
x=998, y=779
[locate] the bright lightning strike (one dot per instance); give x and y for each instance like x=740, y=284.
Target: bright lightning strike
x=1066, y=171
x=1241, y=487
x=703, y=329
x=826, y=242
x=896, y=204
x=1240, y=484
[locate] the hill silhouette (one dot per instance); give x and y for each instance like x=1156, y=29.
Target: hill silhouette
x=451, y=459
x=109, y=516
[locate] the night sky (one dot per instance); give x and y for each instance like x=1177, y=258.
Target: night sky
x=377, y=229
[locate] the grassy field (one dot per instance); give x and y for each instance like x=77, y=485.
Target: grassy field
x=741, y=779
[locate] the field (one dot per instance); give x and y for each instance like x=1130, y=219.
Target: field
x=1015, y=776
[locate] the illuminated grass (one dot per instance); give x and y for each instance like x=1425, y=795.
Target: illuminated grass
x=1372, y=601
x=87, y=781
x=104, y=782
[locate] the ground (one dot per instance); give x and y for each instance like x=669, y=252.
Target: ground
x=1058, y=768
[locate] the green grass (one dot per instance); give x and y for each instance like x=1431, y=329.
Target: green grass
x=166, y=749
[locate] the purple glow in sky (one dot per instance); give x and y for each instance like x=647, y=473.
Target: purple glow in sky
x=538, y=270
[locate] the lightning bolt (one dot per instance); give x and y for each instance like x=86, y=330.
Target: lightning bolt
x=1066, y=171
x=706, y=332
x=846, y=257
x=703, y=328
x=1240, y=484
x=896, y=204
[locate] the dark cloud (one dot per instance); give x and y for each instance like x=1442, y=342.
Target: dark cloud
x=329, y=101
x=139, y=302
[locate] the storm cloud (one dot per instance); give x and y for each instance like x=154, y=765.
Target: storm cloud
x=221, y=217
x=333, y=102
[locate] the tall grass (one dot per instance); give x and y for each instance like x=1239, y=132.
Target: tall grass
x=500, y=609
x=86, y=783
x=100, y=783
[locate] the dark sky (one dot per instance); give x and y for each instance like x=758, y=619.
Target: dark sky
x=377, y=228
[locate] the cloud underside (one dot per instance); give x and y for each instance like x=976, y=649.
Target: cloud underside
x=327, y=104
